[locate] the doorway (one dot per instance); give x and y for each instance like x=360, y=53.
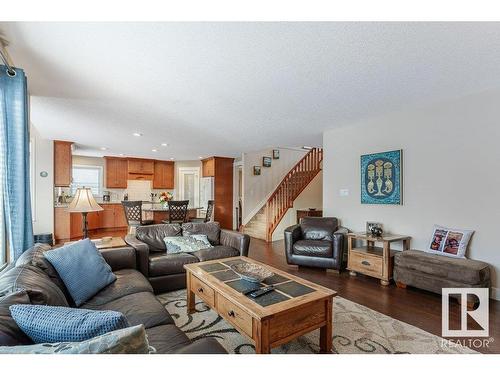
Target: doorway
x=189, y=185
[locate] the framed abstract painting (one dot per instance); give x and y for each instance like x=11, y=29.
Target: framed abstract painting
x=382, y=178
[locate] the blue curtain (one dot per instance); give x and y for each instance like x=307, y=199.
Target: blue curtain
x=14, y=139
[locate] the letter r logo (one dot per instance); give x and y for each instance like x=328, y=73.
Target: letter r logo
x=480, y=314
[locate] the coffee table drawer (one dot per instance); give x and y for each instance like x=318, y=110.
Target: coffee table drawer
x=368, y=264
x=202, y=290
x=234, y=314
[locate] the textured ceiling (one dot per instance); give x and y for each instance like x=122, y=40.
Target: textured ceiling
x=226, y=88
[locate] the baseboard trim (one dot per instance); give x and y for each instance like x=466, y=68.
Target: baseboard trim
x=495, y=293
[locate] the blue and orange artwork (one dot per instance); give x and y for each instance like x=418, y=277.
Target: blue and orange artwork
x=381, y=178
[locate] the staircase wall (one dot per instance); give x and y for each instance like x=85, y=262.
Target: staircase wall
x=311, y=197
x=256, y=189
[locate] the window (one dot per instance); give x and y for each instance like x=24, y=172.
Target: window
x=88, y=176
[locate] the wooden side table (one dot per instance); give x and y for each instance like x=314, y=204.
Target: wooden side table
x=371, y=260
x=307, y=213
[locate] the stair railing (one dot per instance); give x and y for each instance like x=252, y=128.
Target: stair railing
x=294, y=182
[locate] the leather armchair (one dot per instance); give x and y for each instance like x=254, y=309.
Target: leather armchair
x=316, y=242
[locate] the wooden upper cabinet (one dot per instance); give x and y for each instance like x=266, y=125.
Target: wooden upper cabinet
x=116, y=173
x=163, y=175
x=208, y=167
x=62, y=163
x=141, y=166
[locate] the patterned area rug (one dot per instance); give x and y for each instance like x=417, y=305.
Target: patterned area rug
x=356, y=329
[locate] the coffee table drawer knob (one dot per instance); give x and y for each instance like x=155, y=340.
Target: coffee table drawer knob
x=231, y=313
x=200, y=290
x=365, y=263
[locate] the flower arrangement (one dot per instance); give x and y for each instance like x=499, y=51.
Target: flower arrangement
x=166, y=196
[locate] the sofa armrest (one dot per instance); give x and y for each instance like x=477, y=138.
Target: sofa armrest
x=239, y=241
x=141, y=253
x=292, y=235
x=120, y=258
x=207, y=345
x=339, y=244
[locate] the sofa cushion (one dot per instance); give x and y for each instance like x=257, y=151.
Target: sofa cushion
x=34, y=257
x=139, y=308
x=166, y=338
x=167, y=264
x=318, y=228
x=313, y=248
x=82, y=268
x=127, y=282
x=210, y=229
x=130, y=340
x=153, y=235
x=57, y=323
x=10, y=333
x=39, y=287
x=216, y=252
x=463, y=270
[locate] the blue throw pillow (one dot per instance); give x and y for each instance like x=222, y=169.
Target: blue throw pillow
x=82, y=269
x=48, y=324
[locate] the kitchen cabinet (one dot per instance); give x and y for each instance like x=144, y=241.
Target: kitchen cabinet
x=108, y=216
x=208, y=167
x=221, y=169
x=62, y=227
x=140, y=166
x=140, y=177
x=116, y=173
x=63, y=163
x=163, y=175
x=120, y=219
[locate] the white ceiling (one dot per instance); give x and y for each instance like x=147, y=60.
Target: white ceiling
x=225, y=88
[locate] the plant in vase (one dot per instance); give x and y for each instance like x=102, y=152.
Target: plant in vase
x=165, y=197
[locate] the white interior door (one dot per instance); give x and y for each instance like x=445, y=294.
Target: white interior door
x=189, y=185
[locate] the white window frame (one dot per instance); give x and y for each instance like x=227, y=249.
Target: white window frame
x=101, y=177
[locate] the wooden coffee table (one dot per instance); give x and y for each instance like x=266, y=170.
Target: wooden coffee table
x=293, y=309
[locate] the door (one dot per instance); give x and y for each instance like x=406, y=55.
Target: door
x=189, y=185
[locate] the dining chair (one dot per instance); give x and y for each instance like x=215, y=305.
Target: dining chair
x=208, y=214
x=133, y=214
x=177, y=211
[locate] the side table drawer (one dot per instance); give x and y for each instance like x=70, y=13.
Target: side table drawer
x=202, y=290
x=234, y=314
x=364, y=263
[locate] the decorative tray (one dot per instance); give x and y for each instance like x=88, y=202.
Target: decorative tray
x=251, y=272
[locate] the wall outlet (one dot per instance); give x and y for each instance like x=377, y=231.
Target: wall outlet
x=344, y=192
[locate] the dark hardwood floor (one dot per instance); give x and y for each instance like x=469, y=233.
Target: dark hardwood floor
x=413, y=306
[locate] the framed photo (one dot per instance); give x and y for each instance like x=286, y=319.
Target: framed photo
x=373, y=224
x=256, y=170
x=266, y=161
x=381, y=178
x=276, y=154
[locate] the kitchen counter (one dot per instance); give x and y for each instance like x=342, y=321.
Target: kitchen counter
x=165, y=209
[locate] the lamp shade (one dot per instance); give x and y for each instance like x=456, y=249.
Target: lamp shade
x=84, y=201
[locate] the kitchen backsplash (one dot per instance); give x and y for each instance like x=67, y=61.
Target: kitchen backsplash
x=136, y=190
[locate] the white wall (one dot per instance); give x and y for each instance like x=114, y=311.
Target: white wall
x=451, y=160
x=43, y=202
x=258, y=188
x=310, y=197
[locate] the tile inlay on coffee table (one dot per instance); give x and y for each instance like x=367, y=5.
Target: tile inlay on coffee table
x=295, y=307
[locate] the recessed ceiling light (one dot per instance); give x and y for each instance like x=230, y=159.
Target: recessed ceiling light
x=171, y=158
x=103, y=148
x=154, y=150
x=164, y=144
x=121, y=154
x=137, y=134
x=201, y=157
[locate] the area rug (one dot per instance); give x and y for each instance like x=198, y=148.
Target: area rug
x=356, y=330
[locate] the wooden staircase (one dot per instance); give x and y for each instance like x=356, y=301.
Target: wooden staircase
x=295, y=181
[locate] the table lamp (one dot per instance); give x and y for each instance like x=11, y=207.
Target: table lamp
x=84, y=202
